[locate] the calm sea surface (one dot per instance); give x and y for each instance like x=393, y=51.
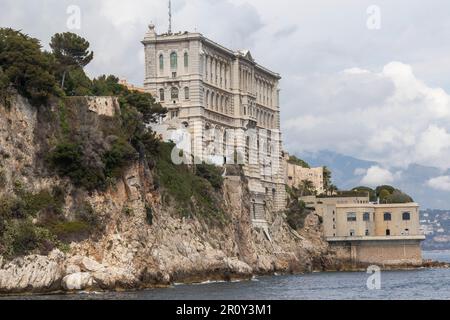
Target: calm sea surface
x=418, y=284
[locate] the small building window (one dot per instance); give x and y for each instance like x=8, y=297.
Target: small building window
x=367, y=233
x=366, y=216
x=186, y=60
x=406, y=216
x=351, y=217
x=174, y=93
x=387, y=216
x=173, y=60
x=352, y=233
x=161, y=95
x=388, y=232
x=186, y=93
x=161, y=62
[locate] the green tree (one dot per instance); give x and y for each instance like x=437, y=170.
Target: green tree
x=299, y=162
x=28, y=69
x=71, y=51
x=370, y=191
x=389, y=189
x=307, y=188
x=384, y=195
x=333, y=189
x=326, y=179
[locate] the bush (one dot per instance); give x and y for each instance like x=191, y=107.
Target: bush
x=118, y=157
x=21, y=237
x=192, y=194
x=211, y=173
x=299, y=162
x=3, y=180
x=296, y=214
x=67, y=160
x=149, y=214
x=71, y=230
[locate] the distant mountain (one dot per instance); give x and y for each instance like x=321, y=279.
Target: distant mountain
x=412, y=181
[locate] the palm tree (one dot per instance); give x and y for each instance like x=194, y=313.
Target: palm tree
x=326, y=179
x=307, y=188
x=333, y=189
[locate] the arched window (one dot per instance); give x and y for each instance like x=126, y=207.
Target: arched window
x=212, y=100
x=173, y=60
x=186, y=60
x=217, y=102
x=207, y=99
x=161, y=62
x=161, y=95
x=387, y=216
x=174, y=93
x=406, y=216
x=186, y=93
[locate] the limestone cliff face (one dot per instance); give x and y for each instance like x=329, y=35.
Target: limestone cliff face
x=131, y=253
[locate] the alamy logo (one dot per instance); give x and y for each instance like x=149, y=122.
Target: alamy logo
x=74, y=19
x=227, y=147
x=374, y=281
x=374, y=19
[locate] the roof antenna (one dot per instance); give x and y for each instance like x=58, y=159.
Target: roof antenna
x=170, y=17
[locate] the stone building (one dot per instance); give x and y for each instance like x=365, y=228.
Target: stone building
x=365, y=232
x=226, y=103
x=296, y=174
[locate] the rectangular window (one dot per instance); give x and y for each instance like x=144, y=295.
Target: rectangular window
x=351, y=217
x=366, y=216
x=387, y=216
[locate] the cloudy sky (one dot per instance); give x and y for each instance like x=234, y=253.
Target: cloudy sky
x=378, y=94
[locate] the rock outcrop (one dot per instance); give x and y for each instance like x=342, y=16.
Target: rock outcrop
x=133, y=254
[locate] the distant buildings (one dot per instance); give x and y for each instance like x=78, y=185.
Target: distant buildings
x=365, y=232
x=130, y=86
x=295, y=174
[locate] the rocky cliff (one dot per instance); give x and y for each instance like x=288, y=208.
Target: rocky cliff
x=132, y=252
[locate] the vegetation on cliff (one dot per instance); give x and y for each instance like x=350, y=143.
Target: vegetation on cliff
x=296, y=212
x=89, y=150
x=298, y=162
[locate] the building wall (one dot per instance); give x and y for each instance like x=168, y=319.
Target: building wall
x=228, y=90
x=397, y=226
x=296, y=174
x=395, y=252
x=104, y=106
x=337, y=224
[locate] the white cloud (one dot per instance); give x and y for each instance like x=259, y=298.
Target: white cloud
x=376, y=176
x=338, y=90
x=390, y=117
x=360, y=171
x=440, y=183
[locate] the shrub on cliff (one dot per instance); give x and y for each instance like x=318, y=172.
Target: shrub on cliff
x=296, y=214
x=211, y=173
x=298, y=162
x=190, y=189
x=26, y=66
